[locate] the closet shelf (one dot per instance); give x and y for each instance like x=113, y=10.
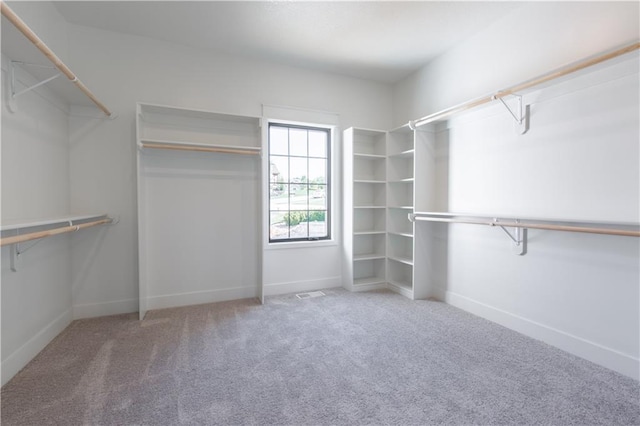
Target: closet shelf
x=591, y=227
x=59, y=225
x=368, y=181
x=401, y=259
x=369, y=207
x=405, y=180
x=369, y=156
x=404, y=154
x=372, y=232
x=514, y=90
x=21, y=26
x=401, y=234
x=202, y=147
x=368, y=256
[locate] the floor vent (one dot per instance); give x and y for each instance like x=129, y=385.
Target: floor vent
x=309, y=295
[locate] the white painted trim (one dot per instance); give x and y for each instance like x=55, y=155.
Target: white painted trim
x=302, y=286
x=591, y=351
x=32, y=347
x=201, y=297
x=368, y=287
x=92, y=310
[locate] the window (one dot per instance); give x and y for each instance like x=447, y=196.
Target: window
x=299, y=183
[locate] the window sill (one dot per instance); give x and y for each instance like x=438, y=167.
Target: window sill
x=300, y=244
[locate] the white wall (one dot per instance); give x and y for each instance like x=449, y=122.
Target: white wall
x=579, y=160
x=123, y=70
x=536, y=38
x=36, y=300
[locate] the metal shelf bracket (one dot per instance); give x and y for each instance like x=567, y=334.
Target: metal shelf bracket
x=13, y=94
x=518, y=238
x=521, y=115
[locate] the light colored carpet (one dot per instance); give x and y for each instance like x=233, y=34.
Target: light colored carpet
x=342, y=359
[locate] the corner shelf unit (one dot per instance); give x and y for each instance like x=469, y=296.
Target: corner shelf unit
x=380, y=193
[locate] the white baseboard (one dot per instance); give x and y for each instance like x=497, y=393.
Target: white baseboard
x=302, y=286
x=91, y=310
x=25, y=353
x=591, y=351
x=200, y=297
x=367, y=287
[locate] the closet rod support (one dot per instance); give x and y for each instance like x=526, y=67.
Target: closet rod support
x=14, y=94
x=521, y=116
x=519, y=237
x=13, y=257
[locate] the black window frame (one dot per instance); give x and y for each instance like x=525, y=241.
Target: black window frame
x=328, y=184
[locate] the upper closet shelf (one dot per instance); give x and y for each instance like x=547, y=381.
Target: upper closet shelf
x=175, y=128
x=17, y=48
x=17, y=224
x=188, y=146
x=521, y=114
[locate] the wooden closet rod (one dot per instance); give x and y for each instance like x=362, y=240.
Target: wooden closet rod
x=547, y=226
x=33, y=38
x=198, y=148
x=51, y=232
x=526, y=85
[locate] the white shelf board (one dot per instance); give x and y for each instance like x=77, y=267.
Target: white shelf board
x=401, y=284
x=405, y=180
x=402, y=259
x=368, y=256
x=14, y=224
x=369, y=156
x=368, y=181
x=198, y=145
x=194, y=113
x=404, y=154
x=532, y=218
x=369, y=207
x=402, y=207
x=402, y=234
x=371, y=232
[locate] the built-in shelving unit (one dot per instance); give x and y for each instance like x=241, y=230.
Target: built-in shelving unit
x=400, y=203
x=196, y=187
x=381, y=171
x=365, y=208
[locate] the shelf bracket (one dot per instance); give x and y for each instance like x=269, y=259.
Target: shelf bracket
x=13, y=94
x=518, y=238
x=521, y=115
x=13, y=257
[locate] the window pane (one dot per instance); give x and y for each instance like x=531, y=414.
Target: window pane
x=279, y=197
x=317, y=170
x=317, y=224
x=298, y=169
x=298, y=142
x=298, y=183
x=279, y=230
x=317, y=144
x=278, y=140
x=279, y=169
x=299, y=224
x=317, y=197
x=299, y=197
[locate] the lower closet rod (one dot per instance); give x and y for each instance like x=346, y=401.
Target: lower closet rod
x=51, y=232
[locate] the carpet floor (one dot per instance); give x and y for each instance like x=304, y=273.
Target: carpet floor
x=341, y=359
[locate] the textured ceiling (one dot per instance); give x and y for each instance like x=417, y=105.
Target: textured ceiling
x=383, y=41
